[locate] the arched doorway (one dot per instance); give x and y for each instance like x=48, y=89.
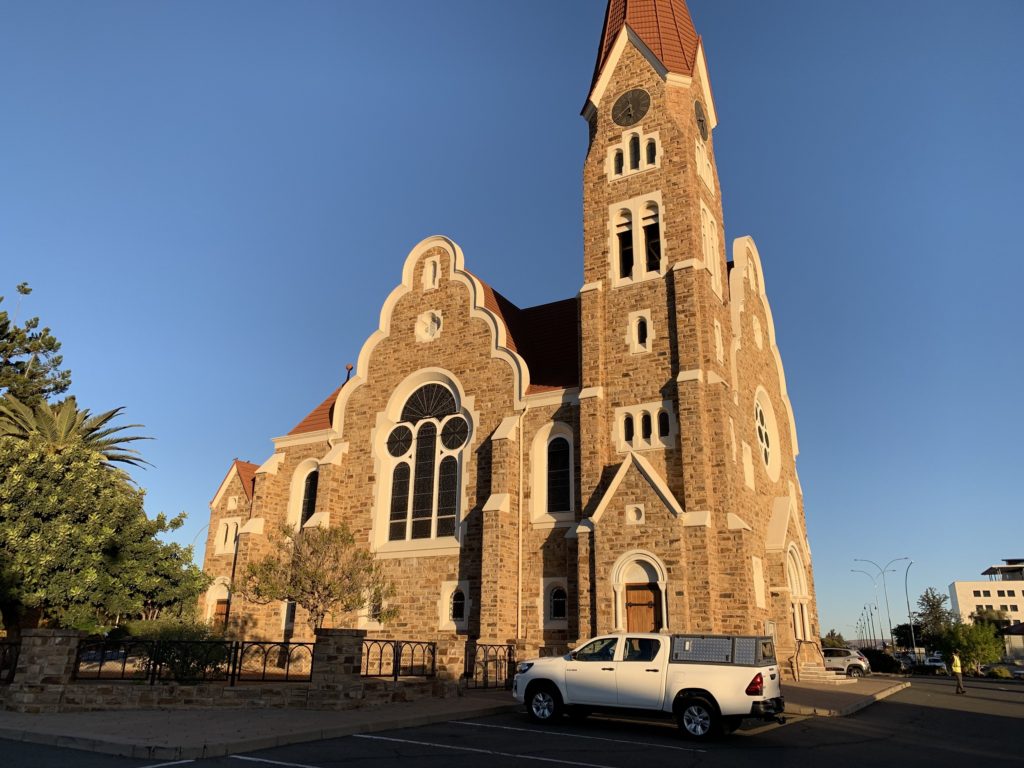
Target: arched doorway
x=639, y=585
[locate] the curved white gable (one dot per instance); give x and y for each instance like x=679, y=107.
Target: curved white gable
x=744, y=255
x=457, y=272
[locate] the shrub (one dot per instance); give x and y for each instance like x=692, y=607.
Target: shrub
x=186, y=651
x=1000, y=672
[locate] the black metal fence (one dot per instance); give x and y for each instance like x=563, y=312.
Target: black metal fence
x=490, y=666
x=8, y=661
x=193, y=661
x=399, y=658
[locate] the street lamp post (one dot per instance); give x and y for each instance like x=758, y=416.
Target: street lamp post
x=884, y=590
x=871, y=623
x=910, y=616
x=874, y=583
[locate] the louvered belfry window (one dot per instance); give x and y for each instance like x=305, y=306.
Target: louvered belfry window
x=426, y=450
x=309, y=496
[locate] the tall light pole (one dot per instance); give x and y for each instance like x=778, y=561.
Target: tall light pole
x=910, y=616
x=871, y=623
x=882, y=571
x=874, y=583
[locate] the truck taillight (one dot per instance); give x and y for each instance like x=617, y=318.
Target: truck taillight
x=756, y=687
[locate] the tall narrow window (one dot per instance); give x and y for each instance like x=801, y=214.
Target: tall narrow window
x=458, y=608
x=627, y=429
x=558, y=600
x=645, y=426
x=309, y=497
x=634, y=152
x=663, y=424
x=426, y=453
x=618, y=162
x=641, y=332
x=559, y=480
x=652, y=152
x=624, y=233
x=652, y=238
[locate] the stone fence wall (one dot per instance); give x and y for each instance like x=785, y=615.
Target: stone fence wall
x=43, y=682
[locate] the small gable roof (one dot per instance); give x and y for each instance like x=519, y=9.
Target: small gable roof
x=320, y=417
x=650, y=474
x=246, y=471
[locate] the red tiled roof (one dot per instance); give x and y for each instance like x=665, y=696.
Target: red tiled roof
x=547, y=337
x=247, y=474
x=320, y=417
x=665, y=27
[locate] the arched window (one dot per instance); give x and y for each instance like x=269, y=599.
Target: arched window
x=645, y=426
x=458, y=608
x=618, y=162
x=652, y=152
x=627, y=429
x=309, y=496
x=559, y=476
x=624, y=234
x=634, y=152
x=663, y=424
x=652, y=238
x=557, y=602
x=426, y=447
x=641, y=331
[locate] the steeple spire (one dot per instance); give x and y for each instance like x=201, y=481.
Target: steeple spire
x=664, y=26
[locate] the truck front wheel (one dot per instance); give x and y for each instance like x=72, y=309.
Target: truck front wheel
x=697, y=718
x=543, y=703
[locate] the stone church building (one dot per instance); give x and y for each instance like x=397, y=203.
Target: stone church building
x=621, y=459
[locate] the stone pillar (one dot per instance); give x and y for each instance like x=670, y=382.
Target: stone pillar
x=46, y=663
x=336, y=680
x=585, y=587
x=500, y=546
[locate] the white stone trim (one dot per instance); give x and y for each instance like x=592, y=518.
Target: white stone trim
x=632, y=331
x=711, y=249
x=271, y=465
x=622, y=147
x=539, y=473
x=254, y=526
x=220, y=589
x=418, y=548
x=650, y=474
x=699, y=518
x=736, y=523
x=773, y=467
x=547, y=586
x=694, y=374
x=305, y=438
x=636, y=208
x=335, y=455
x=228, y=529
x=588, y=392
x=748, y=465
x=760, y=592
x=508, y=429
x=477, y=309
x=595, y=286
x=619, y=584
x=445, y=623
x=653, y=411
x=705, y=171
x=569, y=395
x=296, y=488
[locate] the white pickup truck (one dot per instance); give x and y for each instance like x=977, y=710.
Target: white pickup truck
x=709, y=683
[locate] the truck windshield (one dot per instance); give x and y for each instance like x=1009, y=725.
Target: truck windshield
x=602, y=649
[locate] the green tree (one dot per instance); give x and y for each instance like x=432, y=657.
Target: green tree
x=29, y=359
x=833, y=640
x=903, y=637
x=55, y=428
x=934, y=617
x=997, y=619
x=76, y=547
x=322, y=570
x=977, y=643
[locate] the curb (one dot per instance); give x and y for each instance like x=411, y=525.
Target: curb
x=849, y=709
x=221, y=748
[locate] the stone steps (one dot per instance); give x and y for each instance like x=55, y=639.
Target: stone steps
x=815, y=673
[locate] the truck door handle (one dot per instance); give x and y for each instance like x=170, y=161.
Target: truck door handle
x=607, y=669
x=650, y=670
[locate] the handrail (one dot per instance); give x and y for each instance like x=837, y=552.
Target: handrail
x=794, y=660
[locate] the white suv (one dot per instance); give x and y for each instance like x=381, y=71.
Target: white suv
x=849, y=662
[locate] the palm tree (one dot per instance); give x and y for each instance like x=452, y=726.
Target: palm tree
x=64, y=425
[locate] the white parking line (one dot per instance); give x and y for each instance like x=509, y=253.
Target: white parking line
x=271, y=762
x=481, y=751
x=164, y=765
x=577, y=736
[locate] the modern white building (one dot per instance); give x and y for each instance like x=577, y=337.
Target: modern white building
x=1003, y=590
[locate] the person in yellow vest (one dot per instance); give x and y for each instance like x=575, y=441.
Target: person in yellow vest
x=958, y=672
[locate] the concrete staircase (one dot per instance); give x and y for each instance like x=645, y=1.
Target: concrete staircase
x=814, y=672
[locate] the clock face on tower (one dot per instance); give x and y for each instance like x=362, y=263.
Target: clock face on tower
x=701, y=118
x=630, y=107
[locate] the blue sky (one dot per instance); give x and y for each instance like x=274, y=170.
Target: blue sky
x=212, y=200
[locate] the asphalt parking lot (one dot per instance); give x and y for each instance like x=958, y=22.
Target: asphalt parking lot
x=925, y=725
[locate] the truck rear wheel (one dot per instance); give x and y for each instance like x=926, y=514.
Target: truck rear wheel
x=698, y=718
x=543, y=703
